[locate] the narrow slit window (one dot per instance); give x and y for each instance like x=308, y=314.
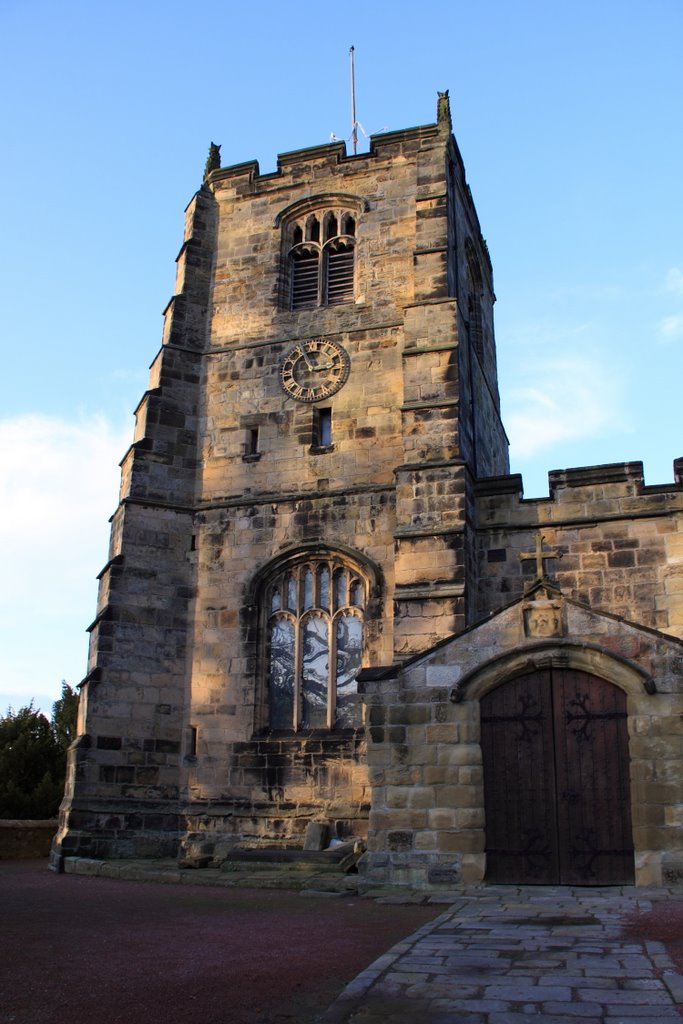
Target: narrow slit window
x=250, y=448
x=322, y=428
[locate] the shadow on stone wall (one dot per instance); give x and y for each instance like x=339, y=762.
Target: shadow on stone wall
x=26, y=840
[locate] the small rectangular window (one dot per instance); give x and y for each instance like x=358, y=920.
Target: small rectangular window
x=251, y=445
x=192, y=745
x=322, y=428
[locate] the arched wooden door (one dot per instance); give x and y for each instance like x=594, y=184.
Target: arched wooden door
x=556, y=781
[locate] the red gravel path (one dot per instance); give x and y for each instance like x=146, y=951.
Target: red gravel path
x=79, y=950
x=664, y=923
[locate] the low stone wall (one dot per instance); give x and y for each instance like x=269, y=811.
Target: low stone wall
x=26, y=840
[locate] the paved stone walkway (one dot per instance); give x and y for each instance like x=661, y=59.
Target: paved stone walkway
x=513, y=955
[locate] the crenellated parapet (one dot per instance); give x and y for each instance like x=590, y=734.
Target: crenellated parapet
x=618, y=542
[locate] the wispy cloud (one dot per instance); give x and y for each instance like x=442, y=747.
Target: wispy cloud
x=565, y=399
x=58, y=485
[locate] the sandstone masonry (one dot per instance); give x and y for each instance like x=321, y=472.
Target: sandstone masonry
x=318, y=490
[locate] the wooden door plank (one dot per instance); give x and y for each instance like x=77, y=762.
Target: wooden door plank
x=519, y=782
x=593, y=786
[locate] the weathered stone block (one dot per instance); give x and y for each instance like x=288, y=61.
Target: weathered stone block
x=317, y=835
x=398, y=841
x=421, y=796
x=439, y=818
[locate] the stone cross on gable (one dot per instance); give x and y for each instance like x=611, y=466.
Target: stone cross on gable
x=539, y=556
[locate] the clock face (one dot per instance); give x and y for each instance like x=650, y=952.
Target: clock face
x=315, y=369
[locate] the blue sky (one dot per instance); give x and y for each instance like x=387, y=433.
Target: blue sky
x=569, y=120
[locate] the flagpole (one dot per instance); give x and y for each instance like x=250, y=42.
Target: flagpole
x=354, y=124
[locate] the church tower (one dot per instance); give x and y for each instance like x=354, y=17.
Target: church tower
x=327, y=600
x=297, y=502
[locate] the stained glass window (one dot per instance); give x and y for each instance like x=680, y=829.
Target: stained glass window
x=315, y=672
x=308, y=589
x=323, y=586
x=315, y=645
x=281, y=673
x=349, y=649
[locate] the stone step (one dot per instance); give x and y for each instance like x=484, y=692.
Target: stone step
x=339, y=859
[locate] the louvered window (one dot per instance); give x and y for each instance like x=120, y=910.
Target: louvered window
x=305, y=264
x=321, y=259
x=339, y=267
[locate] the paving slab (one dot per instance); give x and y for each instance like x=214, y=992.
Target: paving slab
x=517, y=955
x=497, y=955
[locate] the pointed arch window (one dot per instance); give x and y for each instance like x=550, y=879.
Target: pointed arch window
x=314, y=644
x=321, y=259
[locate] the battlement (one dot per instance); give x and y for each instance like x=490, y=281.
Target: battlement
x=383, y=146
x=613, y=542
x=580, y=493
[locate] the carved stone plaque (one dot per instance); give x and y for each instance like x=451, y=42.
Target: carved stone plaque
x=544, y=617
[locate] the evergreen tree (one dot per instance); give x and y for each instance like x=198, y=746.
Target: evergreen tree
x=33, y=757
x=65, y=716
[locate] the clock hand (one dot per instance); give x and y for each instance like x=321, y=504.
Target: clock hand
x=306, y=359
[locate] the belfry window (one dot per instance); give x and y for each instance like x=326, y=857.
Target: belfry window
x=321, y=251
x=314, y=645
x=305, y=271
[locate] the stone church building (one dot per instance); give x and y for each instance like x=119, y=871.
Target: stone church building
x=326, y=598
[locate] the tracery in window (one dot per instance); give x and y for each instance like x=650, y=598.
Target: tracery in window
x=315, y=644
x=320, y=254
